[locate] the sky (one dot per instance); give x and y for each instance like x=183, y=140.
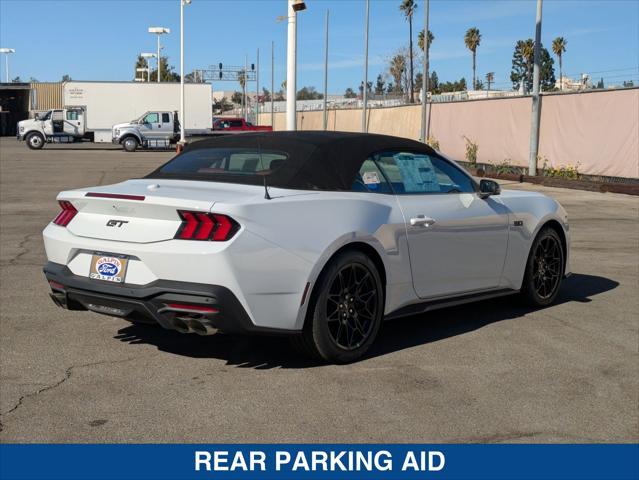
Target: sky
x=100, y=39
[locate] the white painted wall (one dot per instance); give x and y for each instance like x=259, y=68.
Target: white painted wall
x=108, y=103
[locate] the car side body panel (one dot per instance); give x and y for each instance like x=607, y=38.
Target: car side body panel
x=283, y=244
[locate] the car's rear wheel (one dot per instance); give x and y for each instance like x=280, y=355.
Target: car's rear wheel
x=346, y=313
x=35, y=141
x=545, y=268
x=130, y=144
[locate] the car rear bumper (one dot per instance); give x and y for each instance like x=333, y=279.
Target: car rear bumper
x=181, y=306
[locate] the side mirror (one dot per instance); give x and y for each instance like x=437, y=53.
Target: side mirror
x=488, y=188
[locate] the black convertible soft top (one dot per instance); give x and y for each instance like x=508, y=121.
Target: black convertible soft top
x=317, y=160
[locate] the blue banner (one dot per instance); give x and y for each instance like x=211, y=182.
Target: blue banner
x=306, y=461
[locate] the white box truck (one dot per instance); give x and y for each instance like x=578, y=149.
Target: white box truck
x=93, y=108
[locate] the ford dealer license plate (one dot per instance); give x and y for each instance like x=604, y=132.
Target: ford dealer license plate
x=111, y=268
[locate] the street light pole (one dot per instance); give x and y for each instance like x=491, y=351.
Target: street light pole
x=146, y=56
x=182, y=112
x=536, y=99
x=6, y=52
x=426, y=78
x=245, y=112
x=291, y=69
x=257, y=89
x=326, y=73
x=272, y=83
x=161, y=31
x=365, y=89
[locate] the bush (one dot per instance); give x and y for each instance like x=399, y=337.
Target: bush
x=471, y=151
x=433, y=142
x=568, y=172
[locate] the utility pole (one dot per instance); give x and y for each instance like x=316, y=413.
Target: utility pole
x=365, y=89
x=244, y=99
x=426, y=79
x=536, y=99
x=257, y=89
x=272, y=83
x=291, y=69
x=326, y=72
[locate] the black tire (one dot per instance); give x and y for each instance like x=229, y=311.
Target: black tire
x=346, y=310
x=130, y=144
x=35, y=141
x=544, y=269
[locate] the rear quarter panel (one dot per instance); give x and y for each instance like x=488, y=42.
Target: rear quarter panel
x=314, y=226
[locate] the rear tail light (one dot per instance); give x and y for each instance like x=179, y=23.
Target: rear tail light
x=66, y=215
x=206, y=226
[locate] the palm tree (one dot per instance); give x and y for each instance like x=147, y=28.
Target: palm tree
x=558, y=48
x=397, y=68
x=409, y=7
x=420, y=40
x=472, y=39
x=490, y=78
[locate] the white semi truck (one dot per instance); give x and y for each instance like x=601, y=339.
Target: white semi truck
x=93, y=108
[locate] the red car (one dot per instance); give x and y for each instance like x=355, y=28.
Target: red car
x=237, y=125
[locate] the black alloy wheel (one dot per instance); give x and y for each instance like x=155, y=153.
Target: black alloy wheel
x=351, y=306
x=545, y=268
x=345, y=310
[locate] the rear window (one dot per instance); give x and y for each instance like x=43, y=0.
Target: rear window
x=226, y=161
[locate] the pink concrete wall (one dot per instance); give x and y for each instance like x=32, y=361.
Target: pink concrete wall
x=598, y=131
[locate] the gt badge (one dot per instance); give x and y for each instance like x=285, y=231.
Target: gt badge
x=116, y=223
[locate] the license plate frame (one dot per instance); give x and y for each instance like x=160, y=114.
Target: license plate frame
x=108, y=267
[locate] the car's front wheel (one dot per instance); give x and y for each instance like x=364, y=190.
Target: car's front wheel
x=346, y=313
x=35, y=141
x=545, y=268
x=130, y=144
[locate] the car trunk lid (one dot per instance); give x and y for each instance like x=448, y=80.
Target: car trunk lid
x=145, y=211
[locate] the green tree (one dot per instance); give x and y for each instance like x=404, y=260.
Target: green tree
x=221, y=106
x=397, y=69
x=379, y=85
x=420, y=40
x=309, y=93
x=350, y=93
x=558, y=48
x=168, y=74
x=66, y=78
x=419, y=81
x=458, y=86
x=490, y=78
x=140, y=63
x=522, y=66
x=237, y=98
x=408, y=7
x=266, y=95
x=472, y=40
x=433, y=83
x=361, y=88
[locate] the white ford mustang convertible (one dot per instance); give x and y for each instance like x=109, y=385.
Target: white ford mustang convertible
x=317, y=235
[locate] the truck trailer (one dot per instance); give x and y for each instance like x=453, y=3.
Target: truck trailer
x=93, y=108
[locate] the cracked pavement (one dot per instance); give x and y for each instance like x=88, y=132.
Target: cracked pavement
x=490, y=372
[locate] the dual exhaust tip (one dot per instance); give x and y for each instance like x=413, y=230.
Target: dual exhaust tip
x=201, y=326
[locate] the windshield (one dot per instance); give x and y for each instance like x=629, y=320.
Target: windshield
x=44, y=116
x=231, y=162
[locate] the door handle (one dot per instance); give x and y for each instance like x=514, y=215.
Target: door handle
x=421, y=221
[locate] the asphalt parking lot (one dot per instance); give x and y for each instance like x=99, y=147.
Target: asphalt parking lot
x=489, y=372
